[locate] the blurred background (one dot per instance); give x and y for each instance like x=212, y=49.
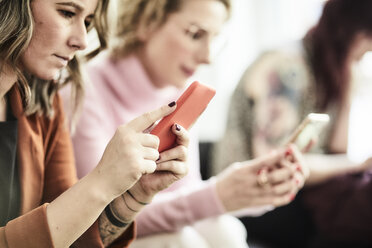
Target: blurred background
x=258, y=25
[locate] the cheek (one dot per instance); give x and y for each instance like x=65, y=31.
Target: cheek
x=180, y=47
x=173, y=48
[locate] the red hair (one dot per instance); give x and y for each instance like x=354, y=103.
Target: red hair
x=329, y=43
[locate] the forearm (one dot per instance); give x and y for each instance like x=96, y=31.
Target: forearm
x=174, y=210
x=121, y=212
x=325, y=166
x=72, y=213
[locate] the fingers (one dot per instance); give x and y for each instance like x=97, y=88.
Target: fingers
x=176, y=167
x=150, y=153
x=284, y=188
x=149, y=166
x=280, y=175
x=267, y=161
x=177, y=153
x=150, y=140
x=142, y=122
x=299, y=162
x=310, y=145
x=182, y=135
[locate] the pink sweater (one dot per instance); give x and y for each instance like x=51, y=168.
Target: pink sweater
x=118, y=93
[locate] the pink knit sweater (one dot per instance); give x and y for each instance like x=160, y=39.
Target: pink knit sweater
x=119, y=92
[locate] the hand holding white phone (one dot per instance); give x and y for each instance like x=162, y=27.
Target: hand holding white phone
x=309, y=129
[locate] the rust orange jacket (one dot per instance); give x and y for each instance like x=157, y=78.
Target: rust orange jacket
x=46, y=169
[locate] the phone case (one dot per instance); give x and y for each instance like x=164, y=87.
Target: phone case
x=190, y=106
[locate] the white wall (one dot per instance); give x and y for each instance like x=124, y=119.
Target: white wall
x=360, y=134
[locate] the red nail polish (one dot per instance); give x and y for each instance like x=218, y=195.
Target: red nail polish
x=288, y=152
x=292, y=196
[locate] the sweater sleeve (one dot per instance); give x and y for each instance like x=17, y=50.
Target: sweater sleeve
x=18, y=232
x=173, y=210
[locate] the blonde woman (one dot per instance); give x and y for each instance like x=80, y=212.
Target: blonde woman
x=159, y=45
x=38, y=39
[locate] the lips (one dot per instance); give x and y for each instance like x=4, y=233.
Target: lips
x=188, y=72
x=63, y=59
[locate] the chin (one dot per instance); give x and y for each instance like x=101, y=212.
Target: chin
x=180, y=83
x=47, y=75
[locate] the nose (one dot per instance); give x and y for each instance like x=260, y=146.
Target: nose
x=204, y=53
x=78, y=37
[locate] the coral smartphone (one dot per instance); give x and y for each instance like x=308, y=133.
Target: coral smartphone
x=190, y=106
x=310, y=128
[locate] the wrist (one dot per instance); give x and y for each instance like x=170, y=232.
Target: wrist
x=99, y=187
x=126, y=207
x=139, y=194
x=114, y=219
x=220, y=188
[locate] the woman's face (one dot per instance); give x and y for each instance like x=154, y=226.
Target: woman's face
x=172, y=53
x=60, y=29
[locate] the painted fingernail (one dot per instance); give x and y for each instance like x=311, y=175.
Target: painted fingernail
x=178, y=128
x=292, y=196
x=172, y=104
x=288, y=152
x=298, y=168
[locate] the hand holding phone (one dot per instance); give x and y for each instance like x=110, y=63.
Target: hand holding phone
x=309, y=129
x=190, y=106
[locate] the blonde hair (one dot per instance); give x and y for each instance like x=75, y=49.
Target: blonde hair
x=134, y=15
x=16, y=28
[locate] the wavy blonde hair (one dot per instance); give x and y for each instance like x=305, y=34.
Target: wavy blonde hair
x=134, y=15
x=16, y=28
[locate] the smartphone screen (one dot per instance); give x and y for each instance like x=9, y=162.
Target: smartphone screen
x=310, y=128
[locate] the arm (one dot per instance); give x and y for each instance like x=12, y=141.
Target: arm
x=326, y=166
x=171, y=166
x=83, y=203
x=87, y=198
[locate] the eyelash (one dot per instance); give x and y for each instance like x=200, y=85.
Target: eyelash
x=87, y=24
x=194, y=35
x=67, y=14
x=70, y=14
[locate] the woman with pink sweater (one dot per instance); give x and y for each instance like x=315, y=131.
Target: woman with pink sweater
x=159, y=45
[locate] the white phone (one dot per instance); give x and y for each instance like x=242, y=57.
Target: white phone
x=310, y=128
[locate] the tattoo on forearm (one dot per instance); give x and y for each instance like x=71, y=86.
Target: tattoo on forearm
x=109, y=232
